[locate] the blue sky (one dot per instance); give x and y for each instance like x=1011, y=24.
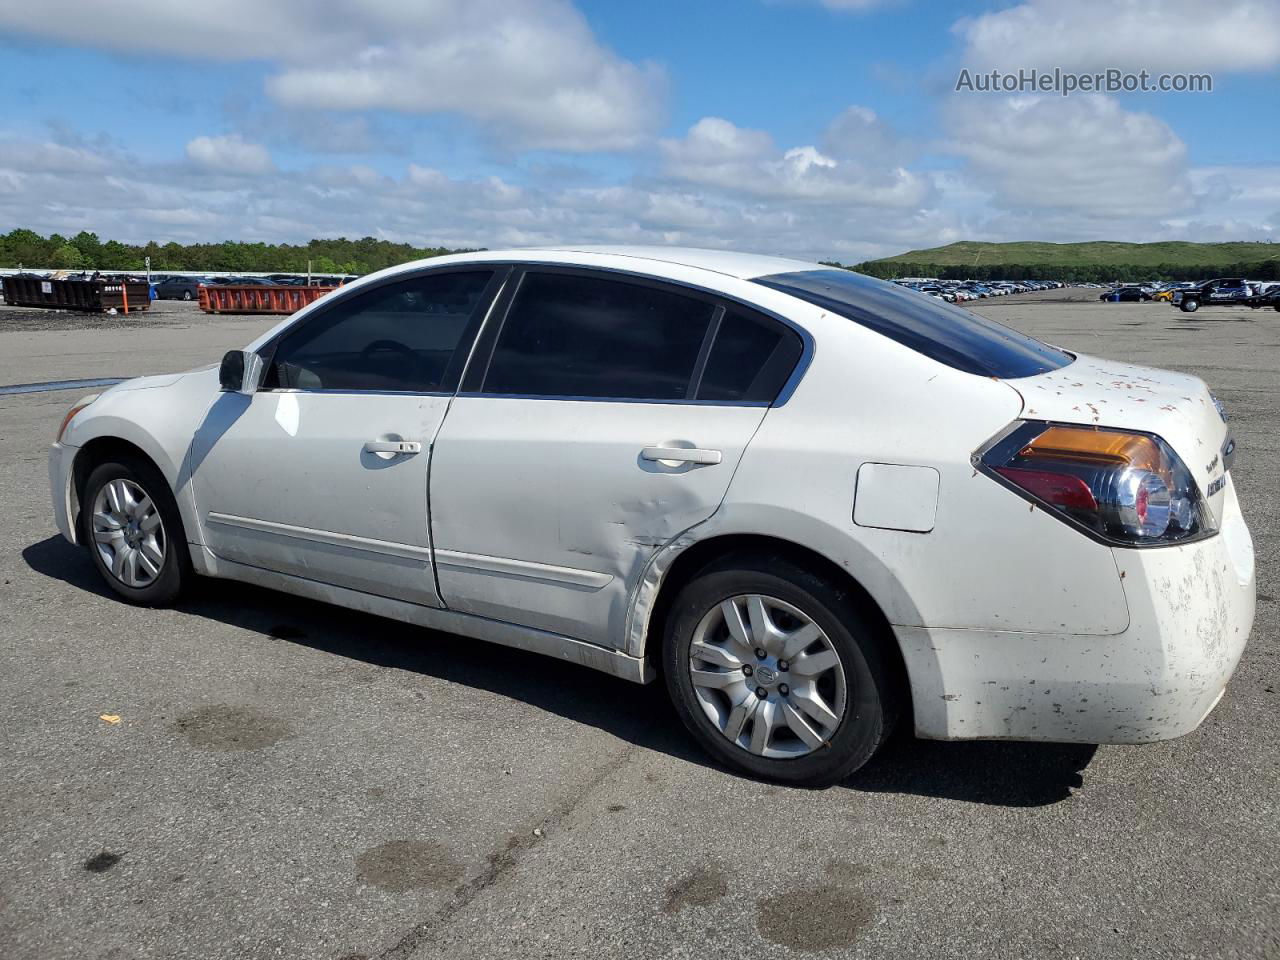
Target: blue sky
x=822, y=128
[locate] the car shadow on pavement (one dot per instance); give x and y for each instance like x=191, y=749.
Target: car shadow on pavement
x=996, y=772
x=1004, y=774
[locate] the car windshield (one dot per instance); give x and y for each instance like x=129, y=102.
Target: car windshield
x=928, y=325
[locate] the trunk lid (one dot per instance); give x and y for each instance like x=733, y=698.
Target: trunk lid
x=1177, y=407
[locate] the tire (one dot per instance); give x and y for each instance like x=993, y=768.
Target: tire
x=186, y=294
x=106, y=534
x=859, y=689
x=1190, y=306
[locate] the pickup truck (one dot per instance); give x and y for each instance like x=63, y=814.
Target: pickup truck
x=1225, y=292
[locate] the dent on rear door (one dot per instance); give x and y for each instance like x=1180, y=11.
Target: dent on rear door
x=545, y=513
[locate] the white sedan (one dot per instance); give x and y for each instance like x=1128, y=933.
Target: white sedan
x=814, y=502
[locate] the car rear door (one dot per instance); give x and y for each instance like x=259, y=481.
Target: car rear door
x=603, y=415
x=322, y=473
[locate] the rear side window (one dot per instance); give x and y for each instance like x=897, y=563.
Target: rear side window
x=750, y=360
x=928, y=325
x=568, y=335
x=403, y=336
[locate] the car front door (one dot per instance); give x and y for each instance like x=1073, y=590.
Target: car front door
x=601, y=416
x=322, y=473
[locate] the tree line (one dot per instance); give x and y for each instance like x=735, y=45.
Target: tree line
x=85, y=251
x=1069, y=273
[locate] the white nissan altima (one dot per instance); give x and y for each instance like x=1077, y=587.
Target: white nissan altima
x=812, y=501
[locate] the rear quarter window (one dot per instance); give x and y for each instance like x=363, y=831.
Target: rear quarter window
x=751, y=360
x=928, y=325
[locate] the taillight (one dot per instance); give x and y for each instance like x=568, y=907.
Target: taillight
x=1121, y=486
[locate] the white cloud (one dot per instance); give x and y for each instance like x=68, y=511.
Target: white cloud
x=1242, y=202
x=132, y=200
x=858, y=164
x=51, y=156
x=1158, y=35
x=530, y=71
x=1050, y=169
x=229, y=154
x=1082, y=154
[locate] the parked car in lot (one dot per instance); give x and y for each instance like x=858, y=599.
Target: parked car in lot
x=812, y=501
x=243, y=281
x=179, y=288
x=1125, y=295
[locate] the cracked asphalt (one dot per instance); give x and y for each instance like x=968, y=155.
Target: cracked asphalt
x=290, y=780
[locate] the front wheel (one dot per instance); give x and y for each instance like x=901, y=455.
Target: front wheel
x=1190, y=306
x=132, y=528
x=775, y=672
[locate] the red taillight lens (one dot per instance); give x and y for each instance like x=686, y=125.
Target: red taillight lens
x=1062, y=490
x=1122, y=486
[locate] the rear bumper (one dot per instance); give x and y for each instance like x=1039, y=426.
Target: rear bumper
x=61, y=459
x=1191, y=609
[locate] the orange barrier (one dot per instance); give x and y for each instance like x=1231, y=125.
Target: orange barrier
x=225, y=298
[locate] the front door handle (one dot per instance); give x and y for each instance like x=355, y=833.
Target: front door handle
x=392, y=446
x=681, y=455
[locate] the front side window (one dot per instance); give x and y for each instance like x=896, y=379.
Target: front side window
x=569, y=335
x=928, y=325
x=400, y=336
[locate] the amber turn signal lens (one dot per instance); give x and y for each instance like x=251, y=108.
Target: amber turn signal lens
x=1095, y=446
x=80, y=405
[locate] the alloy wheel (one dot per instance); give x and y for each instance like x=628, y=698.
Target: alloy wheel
x=128, y=533
x=767, y=677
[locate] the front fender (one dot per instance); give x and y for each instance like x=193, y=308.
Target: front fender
x=160, y=419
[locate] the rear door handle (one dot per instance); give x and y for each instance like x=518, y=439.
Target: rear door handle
x=682, y=455
x=392, y=446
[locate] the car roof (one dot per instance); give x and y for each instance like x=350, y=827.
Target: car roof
x=744, y=266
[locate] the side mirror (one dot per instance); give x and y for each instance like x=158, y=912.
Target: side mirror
x=240, y=372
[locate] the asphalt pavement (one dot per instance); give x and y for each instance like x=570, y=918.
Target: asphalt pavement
x=251, y=775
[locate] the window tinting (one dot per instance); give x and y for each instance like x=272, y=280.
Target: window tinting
x=750, y=360
x=577, y=336
x=398, y=336
x=948, y=334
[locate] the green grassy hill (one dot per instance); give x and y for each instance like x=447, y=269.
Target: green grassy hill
x=1095, y=253
x=1099, y=261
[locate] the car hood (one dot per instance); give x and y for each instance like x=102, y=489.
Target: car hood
x=1176, y=406
x=158, y=380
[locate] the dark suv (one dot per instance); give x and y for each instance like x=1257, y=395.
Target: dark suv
x=1228, y=291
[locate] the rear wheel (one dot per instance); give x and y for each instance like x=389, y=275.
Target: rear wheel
x=131, y=526
x=186, y=294
x=776, y=672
